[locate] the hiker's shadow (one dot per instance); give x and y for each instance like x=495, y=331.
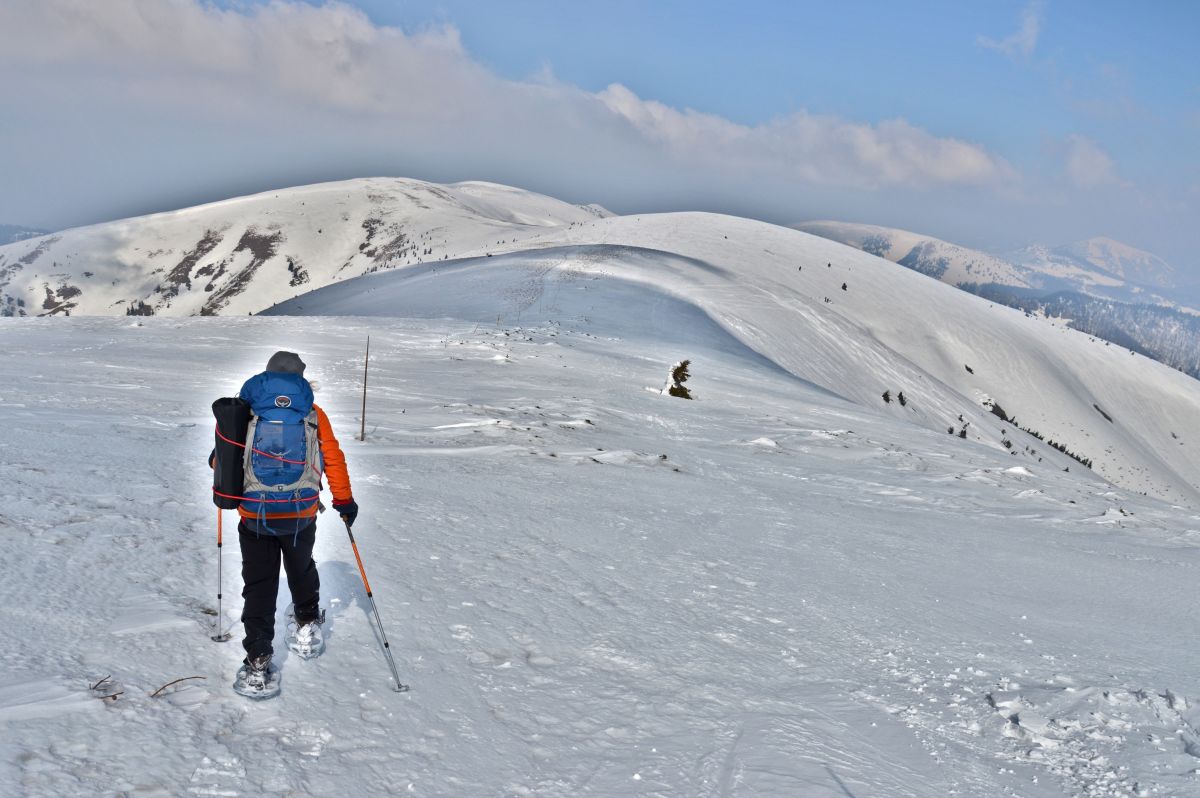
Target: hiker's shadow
x=342, y=587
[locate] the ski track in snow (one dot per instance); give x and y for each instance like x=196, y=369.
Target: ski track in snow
x=592, y=589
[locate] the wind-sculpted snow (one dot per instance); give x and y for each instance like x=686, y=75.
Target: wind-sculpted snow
x=777, y=294
x=1099, y=286
x=858, y=327
x=592, y=587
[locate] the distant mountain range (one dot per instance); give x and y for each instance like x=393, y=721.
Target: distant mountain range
x=1099, y=286
x=1099, y=267
x=1095, y=259
x=11, y=233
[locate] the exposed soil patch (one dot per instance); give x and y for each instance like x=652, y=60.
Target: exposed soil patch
x=181, y=275
x=37, y=252
x=396, y=245
x=372, y=226
x=298, y=272
x=58, y=301
x=12, y=306
x=262, y=246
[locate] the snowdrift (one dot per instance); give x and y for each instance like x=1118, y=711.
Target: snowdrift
x=1013, y=382
x=787, y=586
x=592, y=588
x=827, y=314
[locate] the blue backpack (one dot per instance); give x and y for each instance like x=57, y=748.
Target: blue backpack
x=283, y=453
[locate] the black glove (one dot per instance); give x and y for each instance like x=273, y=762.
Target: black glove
x=347, y=510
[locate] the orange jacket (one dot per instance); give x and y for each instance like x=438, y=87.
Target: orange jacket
x=334, y=463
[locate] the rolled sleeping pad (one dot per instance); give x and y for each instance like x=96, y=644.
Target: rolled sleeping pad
x=233, y=417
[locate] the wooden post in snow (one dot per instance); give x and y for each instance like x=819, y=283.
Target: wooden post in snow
x=366, y=359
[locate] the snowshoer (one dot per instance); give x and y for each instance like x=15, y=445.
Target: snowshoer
x=289, y=445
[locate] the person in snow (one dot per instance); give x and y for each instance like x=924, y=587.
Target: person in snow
x=286, y=531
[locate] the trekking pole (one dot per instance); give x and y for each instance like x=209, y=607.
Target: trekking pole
x=219, y=637
x=399, y=688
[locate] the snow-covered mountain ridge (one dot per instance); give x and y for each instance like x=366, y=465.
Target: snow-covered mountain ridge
x=777, y=293
x=1099, y=286
x=1120, y=260
x=241, y=255
x=930, y=256
x=1097, y=266
x=838, y=318
x=787, y=586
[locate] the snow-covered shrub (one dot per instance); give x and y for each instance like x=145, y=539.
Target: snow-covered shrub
x=675, y=383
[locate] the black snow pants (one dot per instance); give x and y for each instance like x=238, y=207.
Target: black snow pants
x=260, y=579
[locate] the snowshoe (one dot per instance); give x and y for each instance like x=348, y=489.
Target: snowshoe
x=257, y=678
x=306, y=639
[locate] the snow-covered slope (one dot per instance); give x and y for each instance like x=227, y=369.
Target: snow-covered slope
x=1082, y=259
x=593, y=589
x=242, y=255
x=1098, y=266
x=939, y=259
x=778, y=293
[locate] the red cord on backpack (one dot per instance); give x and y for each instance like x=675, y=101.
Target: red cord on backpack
x=264, y=501
x=260, y=451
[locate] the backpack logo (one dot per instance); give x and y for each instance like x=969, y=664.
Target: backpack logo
x=283, y=401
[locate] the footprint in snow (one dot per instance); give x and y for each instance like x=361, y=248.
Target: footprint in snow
x=1077, y=732
x=223, y=776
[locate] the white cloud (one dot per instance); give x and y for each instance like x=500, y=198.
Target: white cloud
x=1086, y=165
x=131, y=106
x=325, y=82
x=331, y=55
x=821, y=150
x=1024, y=40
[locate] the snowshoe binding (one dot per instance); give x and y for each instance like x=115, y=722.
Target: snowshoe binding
x=305, y=638
x=258, y=678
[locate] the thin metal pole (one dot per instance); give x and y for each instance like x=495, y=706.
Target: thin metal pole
x=219, y=637
x=366, y=359
x=399, y=688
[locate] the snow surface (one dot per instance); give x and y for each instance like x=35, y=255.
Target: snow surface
x=765, y=288
x=1122, y=260
x=961, y=264
x=787, y=586
x=1097, y=266
x=593, y=589
x=890, y=330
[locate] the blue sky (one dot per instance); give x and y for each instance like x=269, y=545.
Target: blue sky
x=919, y=60
x=993, y=124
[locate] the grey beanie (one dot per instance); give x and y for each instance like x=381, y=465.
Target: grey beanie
x=286, y=362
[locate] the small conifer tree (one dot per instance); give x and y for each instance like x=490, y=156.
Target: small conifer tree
x=679, y=375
